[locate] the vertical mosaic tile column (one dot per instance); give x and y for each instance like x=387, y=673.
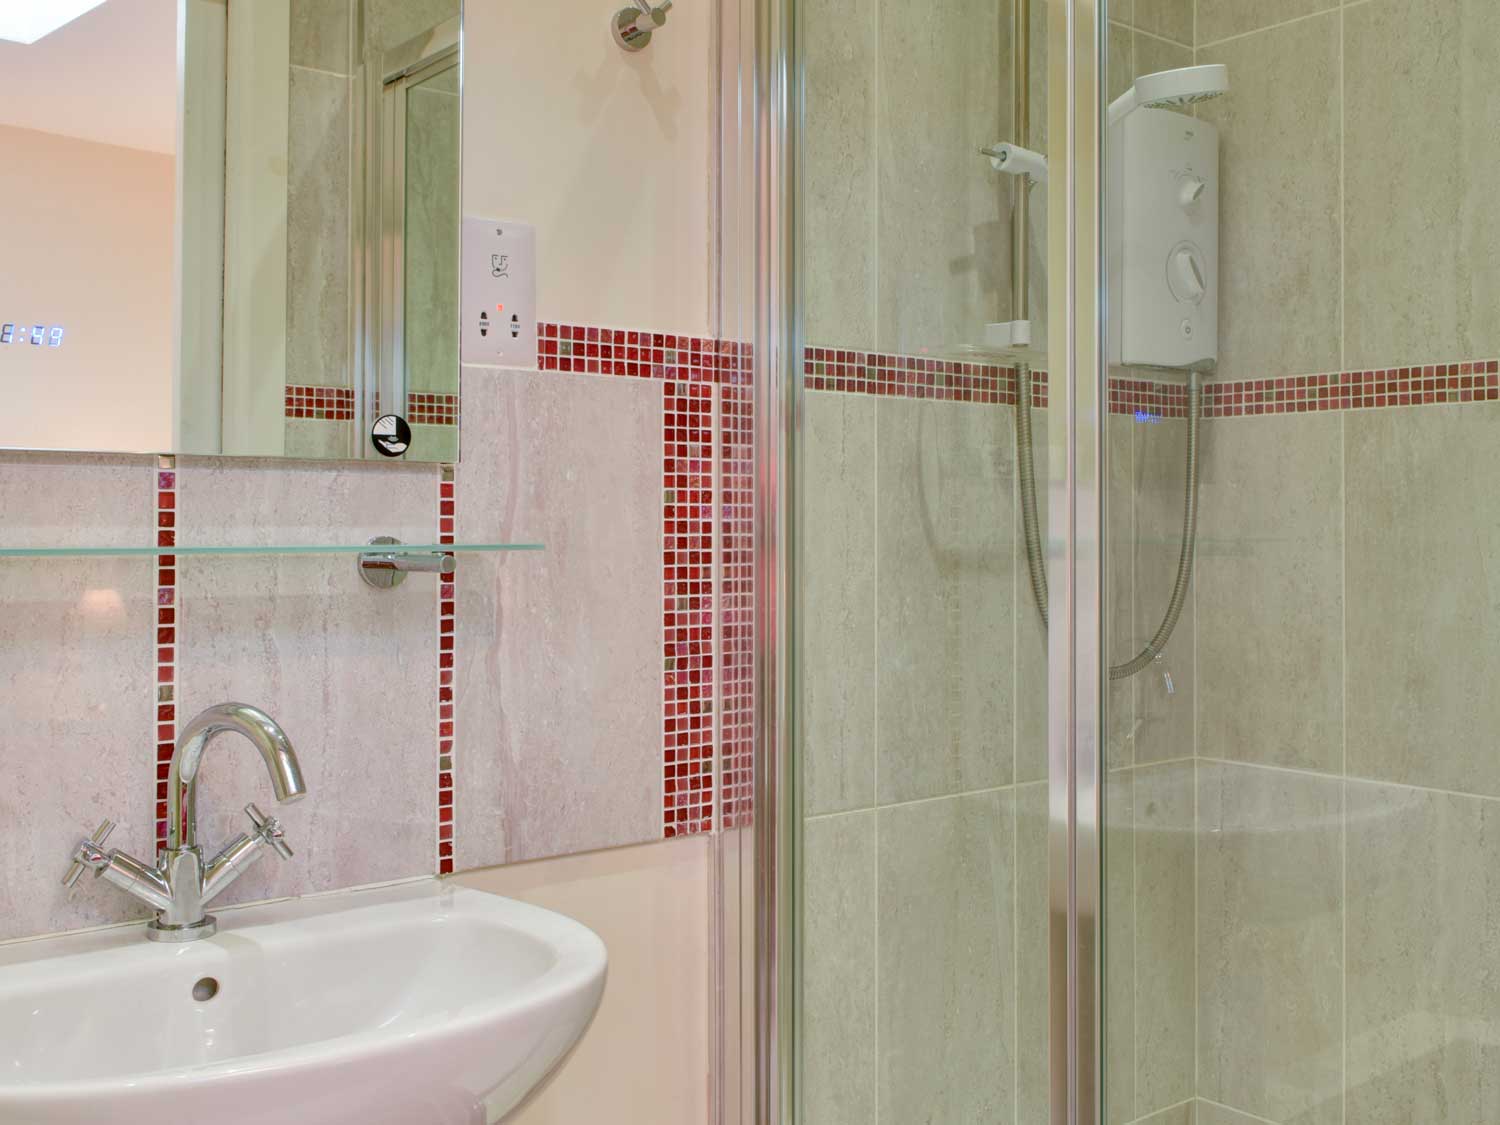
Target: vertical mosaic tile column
x=166, y=636
x=736, y=584
x=447, y=503
x=687, y=604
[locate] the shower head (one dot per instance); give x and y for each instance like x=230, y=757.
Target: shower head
x=1171, y=89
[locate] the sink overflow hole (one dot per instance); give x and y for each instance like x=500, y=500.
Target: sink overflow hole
x=206, y=989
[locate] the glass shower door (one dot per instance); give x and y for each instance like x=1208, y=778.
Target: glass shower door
x=920, y=771
x=1302, y=921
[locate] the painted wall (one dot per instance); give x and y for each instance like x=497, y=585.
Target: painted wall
x=645, y=1058
x=608, y=153
x=99, y=263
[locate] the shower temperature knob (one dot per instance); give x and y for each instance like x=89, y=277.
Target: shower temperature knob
x=1190, y=189
x=1185, y=275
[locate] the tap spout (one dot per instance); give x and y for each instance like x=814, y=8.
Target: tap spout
x=263, y=733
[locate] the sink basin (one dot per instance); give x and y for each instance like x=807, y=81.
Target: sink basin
x=419, y=1004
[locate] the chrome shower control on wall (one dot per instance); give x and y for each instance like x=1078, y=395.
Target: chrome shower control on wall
x=1162, y=220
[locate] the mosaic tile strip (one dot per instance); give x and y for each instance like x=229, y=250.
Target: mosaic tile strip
x=687, y=607
x=1147, y=399
x=1432, y=384
x=915, y=376
x=633, y=353
x=907, y=376
x=432, y=409
x=166, y=637
x=332, y=404
x=736, y=622
x=447, y=587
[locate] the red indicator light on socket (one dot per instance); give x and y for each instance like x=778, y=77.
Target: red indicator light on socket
x=499, y=308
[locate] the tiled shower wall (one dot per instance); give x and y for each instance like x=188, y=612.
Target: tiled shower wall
x=1346, y=901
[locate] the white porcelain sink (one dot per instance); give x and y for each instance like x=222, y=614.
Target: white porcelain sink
x=422, y=1004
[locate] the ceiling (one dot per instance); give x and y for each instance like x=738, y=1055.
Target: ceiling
x=109, y=76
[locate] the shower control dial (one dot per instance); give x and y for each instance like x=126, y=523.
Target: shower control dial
x=1190, y=189
x=1185, y=274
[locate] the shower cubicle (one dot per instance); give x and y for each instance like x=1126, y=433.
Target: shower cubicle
x=1140, y=761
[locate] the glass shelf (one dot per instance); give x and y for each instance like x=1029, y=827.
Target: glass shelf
x=300, y=549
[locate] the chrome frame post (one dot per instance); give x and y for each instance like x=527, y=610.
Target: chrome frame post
x=1076, y=671
x=777, y=377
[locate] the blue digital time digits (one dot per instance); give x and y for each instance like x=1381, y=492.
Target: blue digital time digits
x=37, y=334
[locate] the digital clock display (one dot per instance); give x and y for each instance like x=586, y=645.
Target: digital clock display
x=13, y=333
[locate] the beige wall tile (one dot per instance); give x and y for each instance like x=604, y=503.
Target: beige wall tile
x=314, y=439
x=1420, y=161
x=1121, y=1012
x=1163, y=718
x=1423, y=649
x=432, y=224
x=1119, y=61
x=944, y=214
x=1219, y=19
x=347, y=670
x=77, y=684
x=1169, y=19
x=317, y=215
x=1279, y=257
x=1153, y=55
x=389, y=23
x=947, y=985
x=1211, y=1113
x=1164, y=955
x=838, y=591
x=1270, y=936
x=559, y=653
x=1033, y=923
x=839, y=172
x=1270, y=619
x=1185, y=1114
x=320, y=34
x=840, y=1066
x=1424, y=956
x=644, y=1059
x=944, y=590
x=1031, y=634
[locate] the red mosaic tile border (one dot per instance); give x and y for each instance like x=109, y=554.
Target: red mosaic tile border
x=634, y=353
x=447, y=587
x=1431, y=384
x=166, y=637
x=915, y=376
x=332, y=404
x=687, y=607
x=432, y=409
x=1141, y=396
x=736, y=622
x=701, y=453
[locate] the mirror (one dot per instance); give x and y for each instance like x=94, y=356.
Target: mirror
x=232, y=227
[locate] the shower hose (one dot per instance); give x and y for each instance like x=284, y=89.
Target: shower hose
x=1037, y=564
